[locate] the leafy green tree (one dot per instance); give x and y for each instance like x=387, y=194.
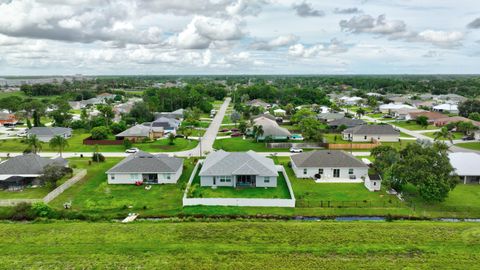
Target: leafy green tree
x=475, y=116
x=11, y=103
x=242, y=126
x=171, y=139
x=29, y=123
x=444, y=133
x=257, y=132
x=311, y=129
x=422, y=121
x=58, y=142
x=186, y=131
x=361, y=112
x=52, y=173
x=100, y=133
x=235, y=117
x=34, y=144
x=141, y=113
x=118, y=127
x=302, y=114
x=469, y=106
x=466, y=127
x=107, y=113
x=127, y=144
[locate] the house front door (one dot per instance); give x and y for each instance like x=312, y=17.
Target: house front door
x=336, y=173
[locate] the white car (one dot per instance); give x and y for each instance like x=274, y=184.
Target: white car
x=132, y=150
x=296, y=150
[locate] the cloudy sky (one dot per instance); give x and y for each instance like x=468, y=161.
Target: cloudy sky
x=146, y=37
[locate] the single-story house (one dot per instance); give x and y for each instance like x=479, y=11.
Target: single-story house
x=466, y=165
x=20, y=171
x=350, y=100
x=136, y=133
x=327, y=117
x=368, y=133
x=177, y=114
x=265, y=115
x=451, y=98
x=7, y=118
x=329, y=165
x=347, y=122
x=279, y=112
x=169, y=125
x=446, y=107
x=271, y=129
x=146, y=168
x=258, y=103
x=454, y=119
x=238, y=169
x=432, y=116
x=424, y=104
x=45, y=134
x=401, y=114
x=388, y=108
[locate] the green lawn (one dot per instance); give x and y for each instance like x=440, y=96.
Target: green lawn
x=411, y=125
x=93, y=195
x=240, y=245
x=405, y=135
x=76, y=145
x=226, y=119
x=375, y=115
x=279, y=192
x=238, y=144
x=470, y=145
x=456, y=135
x=334, y=138
x=463, y=201
x=198, y=132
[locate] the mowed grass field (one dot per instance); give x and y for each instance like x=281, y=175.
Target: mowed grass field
x=240, y=245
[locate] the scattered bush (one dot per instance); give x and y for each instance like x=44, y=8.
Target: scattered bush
x=98, y=157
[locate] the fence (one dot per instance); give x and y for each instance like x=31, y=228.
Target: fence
x=351, y=145
x=90, y=141
x=239, y=201
x=60, y=189
x=298, y=145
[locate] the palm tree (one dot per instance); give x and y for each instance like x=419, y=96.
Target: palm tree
x=257, y=132
x=444, y=133
x=34, y=143
x=58, y=142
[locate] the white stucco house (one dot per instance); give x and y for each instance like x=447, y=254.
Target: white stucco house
x=45, y=134
x=446, y=107
x=238, y=169
x=143, y=167
x=467, y=166
x=329, y=166
x=368, y=133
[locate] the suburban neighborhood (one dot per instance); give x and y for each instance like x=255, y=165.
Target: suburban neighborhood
x=239, y=134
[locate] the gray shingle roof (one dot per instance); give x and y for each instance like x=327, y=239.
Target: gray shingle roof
x=142, y=162
x=135, y=131
x=49, y=131
x=28, y=164
x=237, y=163
x=326, y=159
x=372, y=130
x=271, y=128
x=348, y=122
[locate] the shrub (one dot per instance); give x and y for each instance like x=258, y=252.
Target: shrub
x=22, y=211
x=98, y=157
x=127, y=143
x=40, y=209
x=100, y=133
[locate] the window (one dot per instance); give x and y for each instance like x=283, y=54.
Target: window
x=266, y=179
x=374, y=183
x=134, y=176
x=365, y=137
x=167, y=176
x=224, y=179
x=112, y=177
x=304, y=171
x=336, y=173
x=350, y=171
x=320, y=171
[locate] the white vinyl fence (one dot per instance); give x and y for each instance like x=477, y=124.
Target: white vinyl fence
x=239, y=201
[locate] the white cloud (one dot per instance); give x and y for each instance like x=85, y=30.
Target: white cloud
x=306, y=9
x=441, y=38
x=333, y=47
x=280, y=41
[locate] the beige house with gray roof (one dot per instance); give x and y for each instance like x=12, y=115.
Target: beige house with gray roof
x=238, y=169
x=369, y=133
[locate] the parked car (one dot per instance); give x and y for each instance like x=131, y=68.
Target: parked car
x=236, y=134
x=132, y=150
x=179, y=136
x=234, y=130
x=224, y=130
x=468, y=138
x=296, y=150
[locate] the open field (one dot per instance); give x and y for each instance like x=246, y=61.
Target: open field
x=241, y=245
x=76, y=145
